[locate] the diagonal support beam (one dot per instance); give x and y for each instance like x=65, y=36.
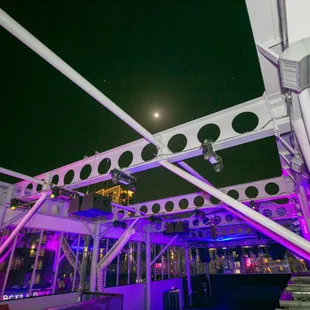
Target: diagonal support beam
x=163, y=250
x=22, y=223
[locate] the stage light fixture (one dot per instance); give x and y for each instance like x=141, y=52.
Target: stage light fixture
x=62, y=193
x=209, y=154
x=15, y=203
x=20, y=204
x=120, y=177
x=55, y=192
x=254, y=205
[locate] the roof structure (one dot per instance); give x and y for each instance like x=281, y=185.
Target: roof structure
x=279, y=114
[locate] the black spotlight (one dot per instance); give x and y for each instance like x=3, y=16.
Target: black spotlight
x=209, y=154
x=254, y=205
x=120, y=177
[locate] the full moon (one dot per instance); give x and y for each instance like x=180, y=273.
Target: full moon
x=156, y=115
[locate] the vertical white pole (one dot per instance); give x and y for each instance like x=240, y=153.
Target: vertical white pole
x=154, y=251
x=168, y=262
x=117, y=270
x=129, y=263
x=33, y=276
x=57, y=264
x=161, y=260
x=94, y=261
x=8, y=269
x=148, y=281
x=76, y=263
x=188, y=275
x=139, y=277
x=2, y=215
x=105, y=270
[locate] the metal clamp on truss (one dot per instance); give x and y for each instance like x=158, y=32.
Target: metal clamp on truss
x=209, y=154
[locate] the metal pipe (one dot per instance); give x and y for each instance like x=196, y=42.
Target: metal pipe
x=286, y=145
x=162, y=262
x=270, y=234
x=188, y=275
x=302, y=138
x=148, y=280
x=105, y=270
x=129, y=262
x=76, y=263
x=15, y=218
x=117, y=270
x=168, y=263
x=94, y=261
x=89, y=229
x=38, y=47
x=245, y=210
x=17, y=174
x=304, y=102
x=57, y=265
x=33, y=276
x=164, y=249
x=139, y=262
x=8, y=268
x=283, y=23
x=9, y=250
x=2, y=215
x=22, y=223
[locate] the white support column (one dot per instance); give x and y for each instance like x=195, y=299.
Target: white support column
x=22, y=223
x=129, y=263
x=188, y=275
x=168, y=262
x=84, y=263
x=162, y=262
x=148, y=280
x=94, y=261
x=33, y=276
x=8, y=268
x=76, y=263
x=139, y=260
x=117, y=270
x=105, y=270
x=57, y=265
x=2, y=215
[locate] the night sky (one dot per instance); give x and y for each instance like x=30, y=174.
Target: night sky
x=184, y=59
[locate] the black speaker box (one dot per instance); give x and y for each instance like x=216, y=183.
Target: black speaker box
x=96, y=205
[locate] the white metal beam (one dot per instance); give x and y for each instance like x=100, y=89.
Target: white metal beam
x=204, y=200
x=228, y=138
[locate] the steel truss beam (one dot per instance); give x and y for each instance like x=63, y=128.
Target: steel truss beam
x=201, y=200
x=270, y=114
x=43, y=51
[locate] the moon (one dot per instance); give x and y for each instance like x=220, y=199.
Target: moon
x=156, y=115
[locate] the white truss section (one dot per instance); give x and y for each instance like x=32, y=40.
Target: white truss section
x=204, y=201
x=270, y=114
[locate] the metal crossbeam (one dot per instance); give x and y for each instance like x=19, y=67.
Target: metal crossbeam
x=190, y=202
x=228, y=138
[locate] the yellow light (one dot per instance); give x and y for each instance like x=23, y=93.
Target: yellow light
x=52, y=196
x=13, y=208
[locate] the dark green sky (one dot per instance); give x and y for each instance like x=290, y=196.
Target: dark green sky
x=186, y=59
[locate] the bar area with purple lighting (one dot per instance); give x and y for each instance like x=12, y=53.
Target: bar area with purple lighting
x=245, y=246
